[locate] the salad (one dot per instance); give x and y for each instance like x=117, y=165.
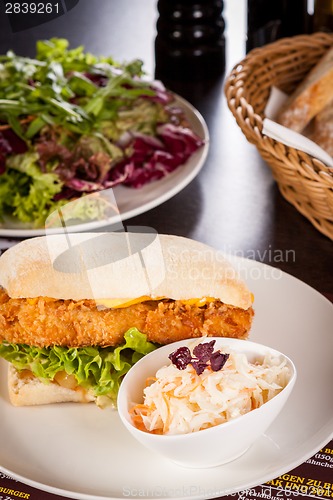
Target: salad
x=203, y=388
x=73, y=124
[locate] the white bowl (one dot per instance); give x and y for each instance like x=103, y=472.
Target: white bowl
x=213, y=446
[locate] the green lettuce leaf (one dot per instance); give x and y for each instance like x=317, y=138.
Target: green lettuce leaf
x=57, y=50
x=99, y=369
x=28, y=191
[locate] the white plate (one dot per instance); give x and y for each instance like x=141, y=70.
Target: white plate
x=131, y=201
x=83, y=452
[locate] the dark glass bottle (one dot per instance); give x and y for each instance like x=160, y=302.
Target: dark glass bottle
x=269, y=20
x=323, y=15
x=190, y=43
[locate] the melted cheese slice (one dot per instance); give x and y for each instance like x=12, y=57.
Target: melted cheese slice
x=119, y=303
x=122, y=303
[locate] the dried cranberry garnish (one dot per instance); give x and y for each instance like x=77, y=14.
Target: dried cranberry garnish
x=181, y=357
x=199, y=366
x=204, y=351
x=218, y=360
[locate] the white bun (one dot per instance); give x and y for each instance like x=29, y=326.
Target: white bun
x=120, y=266
x=310, y=97
x=27, y=391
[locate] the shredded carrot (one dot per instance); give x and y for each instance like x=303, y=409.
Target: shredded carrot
x=150, y=380
x=25, y=120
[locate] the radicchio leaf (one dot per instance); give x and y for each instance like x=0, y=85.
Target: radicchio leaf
x=9, y=143
x=153, y=158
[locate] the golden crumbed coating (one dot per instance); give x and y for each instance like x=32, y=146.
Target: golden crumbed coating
x=46, y=322
x=174, y=320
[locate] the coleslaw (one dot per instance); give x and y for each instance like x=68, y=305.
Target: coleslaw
x=182, y=399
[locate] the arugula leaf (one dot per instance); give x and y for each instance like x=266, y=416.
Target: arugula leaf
x=49, y=83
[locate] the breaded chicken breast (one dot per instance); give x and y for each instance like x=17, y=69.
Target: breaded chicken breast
x=45, y=322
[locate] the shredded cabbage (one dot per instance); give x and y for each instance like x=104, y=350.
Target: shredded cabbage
x=181, y=401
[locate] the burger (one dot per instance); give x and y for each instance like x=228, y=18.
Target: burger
x=78, y=310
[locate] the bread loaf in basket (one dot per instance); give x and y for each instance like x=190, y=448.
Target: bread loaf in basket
x=306, y=182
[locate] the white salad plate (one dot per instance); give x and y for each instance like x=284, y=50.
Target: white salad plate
x=83, y=452
x=131, y=201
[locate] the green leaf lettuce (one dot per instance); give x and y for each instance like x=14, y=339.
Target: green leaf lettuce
x=99, y=369
x=28, y=190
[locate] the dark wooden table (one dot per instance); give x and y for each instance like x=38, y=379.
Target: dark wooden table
x=234, y=203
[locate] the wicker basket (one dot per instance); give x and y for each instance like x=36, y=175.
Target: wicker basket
x=304, y=181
